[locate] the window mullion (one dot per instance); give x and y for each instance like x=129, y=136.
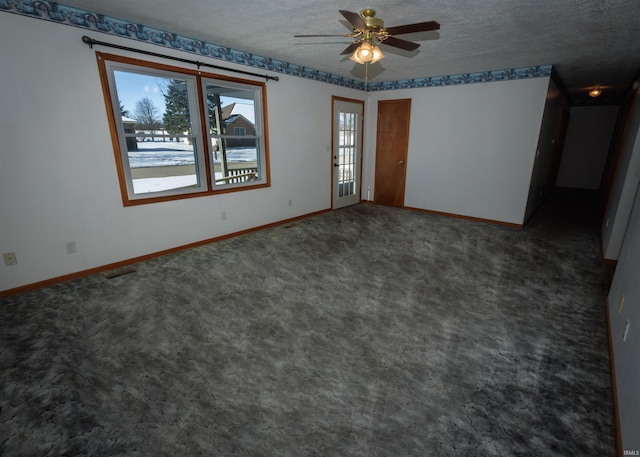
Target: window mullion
x=202, y=110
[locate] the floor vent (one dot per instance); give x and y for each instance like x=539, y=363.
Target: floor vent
x=117, y=274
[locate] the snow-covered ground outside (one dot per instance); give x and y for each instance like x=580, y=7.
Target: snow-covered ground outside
x=142, y=186
x=160, y=154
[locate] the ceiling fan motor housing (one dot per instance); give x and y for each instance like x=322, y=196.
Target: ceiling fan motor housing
x=369, y=17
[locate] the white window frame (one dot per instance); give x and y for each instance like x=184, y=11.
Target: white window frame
x=258, y=135
x=195, y=136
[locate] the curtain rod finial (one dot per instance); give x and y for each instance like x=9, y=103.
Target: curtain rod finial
x=87, y=40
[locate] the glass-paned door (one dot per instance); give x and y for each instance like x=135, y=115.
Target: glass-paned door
x=347, y=152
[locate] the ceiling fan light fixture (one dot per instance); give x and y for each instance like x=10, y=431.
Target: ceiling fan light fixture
x=377, y=54
x=364, y=53
x=356, y=59
x=367, y=52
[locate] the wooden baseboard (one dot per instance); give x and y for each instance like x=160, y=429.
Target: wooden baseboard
x=127, y=262
x=612, y=267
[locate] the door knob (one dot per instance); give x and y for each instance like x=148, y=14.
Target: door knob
x=336, y=165
x=401, y=162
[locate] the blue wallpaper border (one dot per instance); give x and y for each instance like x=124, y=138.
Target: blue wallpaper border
x=466, y=78
x=58, y=13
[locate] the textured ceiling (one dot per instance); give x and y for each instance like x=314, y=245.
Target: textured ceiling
x=589, y=42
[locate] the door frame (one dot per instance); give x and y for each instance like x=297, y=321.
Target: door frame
x=334, y=99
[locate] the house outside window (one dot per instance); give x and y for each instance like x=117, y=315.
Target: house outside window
x=180, y=133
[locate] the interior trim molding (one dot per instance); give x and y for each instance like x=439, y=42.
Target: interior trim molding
x=75, y=17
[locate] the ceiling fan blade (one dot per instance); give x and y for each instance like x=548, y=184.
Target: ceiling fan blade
x=354, y=19
x=399, y=43
x=412, y=28
x=352, y=47
x=305, y=36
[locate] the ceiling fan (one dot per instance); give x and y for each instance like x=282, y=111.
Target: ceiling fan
x=369, y=30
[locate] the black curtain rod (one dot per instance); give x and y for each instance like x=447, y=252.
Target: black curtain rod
x=91, y=42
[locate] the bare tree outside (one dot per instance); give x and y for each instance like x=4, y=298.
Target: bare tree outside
x=146, y=114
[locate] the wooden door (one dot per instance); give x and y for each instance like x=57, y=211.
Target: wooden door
x=391, y=151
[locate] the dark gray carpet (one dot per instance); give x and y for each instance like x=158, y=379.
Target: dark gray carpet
x=368, y=331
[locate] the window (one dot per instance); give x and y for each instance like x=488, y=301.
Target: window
x=181, y=133
x=232, y=110
x=347, y=153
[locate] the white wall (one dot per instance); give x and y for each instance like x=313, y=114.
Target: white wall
x=471, y=147
x=586, y=146
x=627, y=353
x=58, y=178
x=625, y=185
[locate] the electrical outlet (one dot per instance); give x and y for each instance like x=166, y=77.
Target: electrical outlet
x=290, y=202
x=10, y=259
x=621, y=303
x=70, y=246
x=223, y=215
